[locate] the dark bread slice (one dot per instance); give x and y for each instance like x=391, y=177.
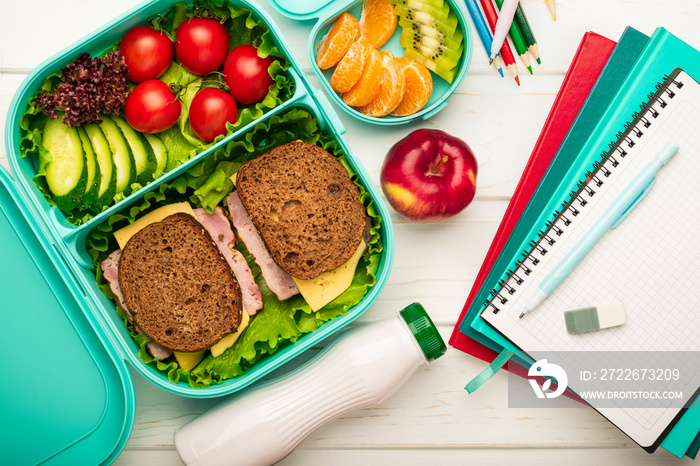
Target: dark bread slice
x=178, y=285
x=305, y=206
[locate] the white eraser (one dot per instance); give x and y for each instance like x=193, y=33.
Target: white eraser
x=589, y=319
x=611, y=315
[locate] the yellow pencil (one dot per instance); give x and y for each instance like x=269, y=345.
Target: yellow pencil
x=535, y=52
x=552, y=8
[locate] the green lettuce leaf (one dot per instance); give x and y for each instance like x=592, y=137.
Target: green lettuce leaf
x=263, y=137
x=207, y=184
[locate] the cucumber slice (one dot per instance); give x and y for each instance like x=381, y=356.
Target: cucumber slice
x=66, y=170
x=144, y=158
x=103, y=154
x=94, y=175
x=124, y=164
x=159, y=151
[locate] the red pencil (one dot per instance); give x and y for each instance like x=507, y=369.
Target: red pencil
x=506, y=52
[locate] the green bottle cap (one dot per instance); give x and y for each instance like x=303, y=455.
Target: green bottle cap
x=424, y=331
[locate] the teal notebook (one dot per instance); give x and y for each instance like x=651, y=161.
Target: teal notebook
x=663, y=53
x=694, y=448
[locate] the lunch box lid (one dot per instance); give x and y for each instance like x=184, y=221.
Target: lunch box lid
x=65, y=398
x=303, y=9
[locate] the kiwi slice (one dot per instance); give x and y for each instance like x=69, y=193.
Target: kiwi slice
x=438, y=4
x=452, y=39
x=432, y=48
x=446, y=24
x=448, y=74
x=433, y=8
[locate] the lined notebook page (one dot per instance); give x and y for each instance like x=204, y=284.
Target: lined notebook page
x=650, y=262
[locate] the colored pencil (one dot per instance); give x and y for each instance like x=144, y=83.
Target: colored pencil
x=552, y=8
x=505, y=20
x=528, y=36
x=518, y=41
x=506, y=53
x=483, y=30
x=498, y=64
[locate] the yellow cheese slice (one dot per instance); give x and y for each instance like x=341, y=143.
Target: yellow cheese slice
x=233, y=178
x=228, y=340
x=189, y=360
x=125, y=234
x=329, y=285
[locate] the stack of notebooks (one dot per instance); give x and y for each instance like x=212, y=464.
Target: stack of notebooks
x=618, y=105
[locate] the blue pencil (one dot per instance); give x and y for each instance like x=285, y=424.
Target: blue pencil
x=482, y=28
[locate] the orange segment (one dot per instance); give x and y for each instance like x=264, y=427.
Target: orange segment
x=386, y=53
x=333, y=46
x=349, y=70
x=419, y=87
x=391, y=91
x=378, y=21
x=369, y=84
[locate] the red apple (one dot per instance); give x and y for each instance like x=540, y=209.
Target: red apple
x=429, y=176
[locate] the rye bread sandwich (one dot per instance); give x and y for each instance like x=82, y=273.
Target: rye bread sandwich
x=305, y=207
x=301, y=217
x=180, y=281
x=178, y=285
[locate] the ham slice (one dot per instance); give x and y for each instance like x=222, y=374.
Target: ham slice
x=157, y=351
x=278, y=281
x=110, y=270
x=219, y=229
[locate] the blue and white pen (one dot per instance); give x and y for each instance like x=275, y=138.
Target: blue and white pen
x=624, y=203
x=505, y=19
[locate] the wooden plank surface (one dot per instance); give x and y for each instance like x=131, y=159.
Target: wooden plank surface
x=431, y=420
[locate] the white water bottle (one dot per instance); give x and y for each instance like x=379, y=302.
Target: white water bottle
x=362, y=367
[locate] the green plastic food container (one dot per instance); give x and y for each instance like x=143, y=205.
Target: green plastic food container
x=325, y=12
x=69, y=398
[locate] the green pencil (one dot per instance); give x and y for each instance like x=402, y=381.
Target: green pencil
x=529, y=37
x=518, y=40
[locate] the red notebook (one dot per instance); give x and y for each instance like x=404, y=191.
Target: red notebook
x=588, y=62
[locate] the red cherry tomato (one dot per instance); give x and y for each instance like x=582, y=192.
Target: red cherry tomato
x=148, y=53
x=152, y=107
x=201, y=45
x=246, y=74
x=209, y=111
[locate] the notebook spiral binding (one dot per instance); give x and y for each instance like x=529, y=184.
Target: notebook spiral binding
x=600, y=171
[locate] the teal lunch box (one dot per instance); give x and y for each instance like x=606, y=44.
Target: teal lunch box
x=68, y=397
x=325, y=12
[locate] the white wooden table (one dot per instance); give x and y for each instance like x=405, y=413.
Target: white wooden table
x=431, y=420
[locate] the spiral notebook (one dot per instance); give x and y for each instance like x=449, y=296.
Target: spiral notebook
x=650, y=261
